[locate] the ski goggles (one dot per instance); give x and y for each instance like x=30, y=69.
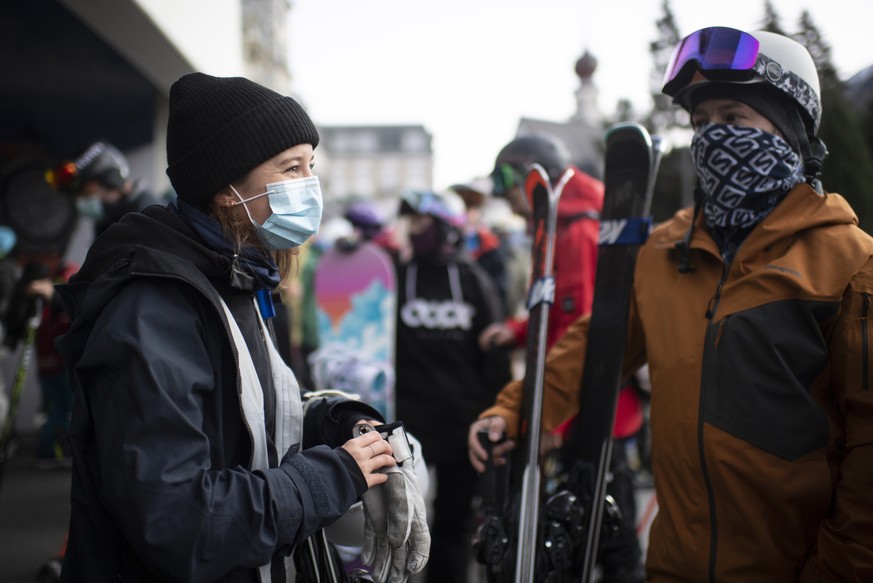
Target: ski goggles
x=506, y=177
x=719, y=53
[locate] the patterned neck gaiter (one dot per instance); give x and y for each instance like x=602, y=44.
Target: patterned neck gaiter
x=744, y=173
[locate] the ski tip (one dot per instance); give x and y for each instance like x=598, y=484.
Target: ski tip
x=537, y=178
x=627, y=128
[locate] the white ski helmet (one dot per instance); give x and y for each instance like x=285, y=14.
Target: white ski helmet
x=726, y=55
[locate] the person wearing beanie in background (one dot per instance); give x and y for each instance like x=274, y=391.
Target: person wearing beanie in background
x=194, y=456
x=752, y=310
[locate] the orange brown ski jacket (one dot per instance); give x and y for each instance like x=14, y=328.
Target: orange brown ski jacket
x=762, y=407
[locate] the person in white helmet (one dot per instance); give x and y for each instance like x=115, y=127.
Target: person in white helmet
x=752, y=310
x=443, y=376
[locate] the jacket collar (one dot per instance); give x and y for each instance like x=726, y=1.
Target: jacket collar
x=802, y=209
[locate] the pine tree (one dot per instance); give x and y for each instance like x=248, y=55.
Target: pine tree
x=848, y=169
x=664, y=114
x=868, y=124
x=772, y=20
x=675, y=183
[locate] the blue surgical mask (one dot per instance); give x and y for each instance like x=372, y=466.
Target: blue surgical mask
x=296, y=206
x=90, y=207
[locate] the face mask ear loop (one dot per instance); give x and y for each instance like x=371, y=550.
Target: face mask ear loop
x=241, y=202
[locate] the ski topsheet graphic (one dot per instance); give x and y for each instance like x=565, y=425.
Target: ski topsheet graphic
x=631, y=165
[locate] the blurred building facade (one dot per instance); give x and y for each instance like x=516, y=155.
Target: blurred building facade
x=373, y=162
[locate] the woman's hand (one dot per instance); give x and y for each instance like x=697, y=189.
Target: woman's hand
x=372, y=453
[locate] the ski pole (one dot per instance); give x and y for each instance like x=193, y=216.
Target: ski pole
x=18, y=384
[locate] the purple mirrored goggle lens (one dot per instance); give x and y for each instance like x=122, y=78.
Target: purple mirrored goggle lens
x=713, y=49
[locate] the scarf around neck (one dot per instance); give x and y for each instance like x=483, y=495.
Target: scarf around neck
x=252, y=261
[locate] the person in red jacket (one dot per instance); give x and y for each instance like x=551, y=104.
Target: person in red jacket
x=575, y=238
x=575, y=266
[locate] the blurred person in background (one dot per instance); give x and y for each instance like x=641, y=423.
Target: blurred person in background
x=445, y=300
x=100, y=180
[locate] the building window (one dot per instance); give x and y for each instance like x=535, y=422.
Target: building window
x=339, y=142
x=367, y=141
x=418, y=174
x=414, y=141
x=389, y=175
x=362, y=177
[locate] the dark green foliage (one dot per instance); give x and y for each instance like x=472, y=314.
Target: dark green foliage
x=867, y=127
x=664, y=114
x=848, y=168
x=772, y=21
x=674, y=186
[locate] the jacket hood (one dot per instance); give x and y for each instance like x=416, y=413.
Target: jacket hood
x=581, y=194
x=803, y=208
x=157, y=229
x=156, y=242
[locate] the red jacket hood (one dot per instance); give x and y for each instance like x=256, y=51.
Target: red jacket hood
x=582, y=193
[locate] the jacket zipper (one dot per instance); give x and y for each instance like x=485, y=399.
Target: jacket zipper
x=865, y=339
x=712, y=341
x=229, y=338
x=712, y=307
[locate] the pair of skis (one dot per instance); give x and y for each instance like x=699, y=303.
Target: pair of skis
x=519, y=543
x=511, y=502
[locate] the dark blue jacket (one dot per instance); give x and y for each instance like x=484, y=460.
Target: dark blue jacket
x=162, y=488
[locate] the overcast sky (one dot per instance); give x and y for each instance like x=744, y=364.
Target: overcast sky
x=468, y=70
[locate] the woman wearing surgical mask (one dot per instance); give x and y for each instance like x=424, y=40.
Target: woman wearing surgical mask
x=196, y=458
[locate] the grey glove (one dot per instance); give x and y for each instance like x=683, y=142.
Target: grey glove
x=396, y=536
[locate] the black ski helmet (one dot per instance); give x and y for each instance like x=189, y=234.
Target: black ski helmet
x=543, y=149
x=101, y=161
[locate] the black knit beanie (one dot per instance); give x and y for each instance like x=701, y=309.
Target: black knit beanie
x=765, y=100
x=220, y=128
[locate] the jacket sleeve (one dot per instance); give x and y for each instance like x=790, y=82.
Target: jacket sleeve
x=146, y=372
x=563, y=375
x=563, y=371
x=844, y=545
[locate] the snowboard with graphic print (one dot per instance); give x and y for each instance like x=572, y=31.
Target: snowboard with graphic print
x=631, y=163
x=356, y=299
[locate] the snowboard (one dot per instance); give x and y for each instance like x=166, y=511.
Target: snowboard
x=355, y=290
x=631, y=164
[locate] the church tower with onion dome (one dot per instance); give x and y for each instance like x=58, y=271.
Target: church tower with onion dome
x=582, y=133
